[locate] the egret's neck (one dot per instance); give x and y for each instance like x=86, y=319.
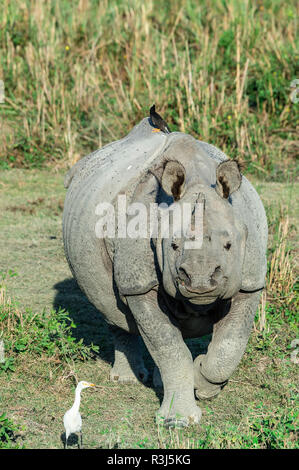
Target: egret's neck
x=76, y=404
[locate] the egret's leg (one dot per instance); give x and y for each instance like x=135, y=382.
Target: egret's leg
x=80, y=442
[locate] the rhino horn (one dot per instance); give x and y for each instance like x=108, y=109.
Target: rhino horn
x=200, y=200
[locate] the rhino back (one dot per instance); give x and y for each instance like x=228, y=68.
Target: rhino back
x=98, y=178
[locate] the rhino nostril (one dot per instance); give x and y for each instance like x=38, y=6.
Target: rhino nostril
x=217, y=274
x=184, y=276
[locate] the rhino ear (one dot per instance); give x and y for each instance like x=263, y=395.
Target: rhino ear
x=228, y=178
x=173, y=179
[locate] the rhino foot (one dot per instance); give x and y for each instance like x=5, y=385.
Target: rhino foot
x=128, y=365
x=204, y=390
x=178, y=416
x=128, y=376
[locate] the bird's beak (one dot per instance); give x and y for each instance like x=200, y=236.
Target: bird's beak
x=92, y=385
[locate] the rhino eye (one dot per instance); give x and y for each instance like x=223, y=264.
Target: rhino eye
x=174, y=246
x=227, y=246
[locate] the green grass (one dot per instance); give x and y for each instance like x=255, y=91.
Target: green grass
x=47, y=317
x=37, y=334
x=8, y=432
x=77, y=77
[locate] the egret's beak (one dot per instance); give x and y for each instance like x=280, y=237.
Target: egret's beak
x=92, y=385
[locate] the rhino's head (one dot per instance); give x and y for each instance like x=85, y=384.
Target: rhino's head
x=214, y=271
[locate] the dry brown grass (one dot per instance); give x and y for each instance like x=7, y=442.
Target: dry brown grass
x=78, y=77
x=282, y=275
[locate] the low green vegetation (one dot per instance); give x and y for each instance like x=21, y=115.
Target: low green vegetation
x=78, y=75
x=40, y=333
x=54, y=337
x=45, y=336
x=7, y=433
x=261, y=429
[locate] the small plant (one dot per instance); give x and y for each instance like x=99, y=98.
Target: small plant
x=46, y=333
x=7, y=432
x=8, y=365
x=8, y=274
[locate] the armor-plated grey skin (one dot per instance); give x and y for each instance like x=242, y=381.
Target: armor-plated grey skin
x=156, y=287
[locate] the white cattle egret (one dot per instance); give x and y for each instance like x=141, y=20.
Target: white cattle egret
x=72, y=419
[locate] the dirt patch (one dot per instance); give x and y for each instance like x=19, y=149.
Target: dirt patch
x=31, y=207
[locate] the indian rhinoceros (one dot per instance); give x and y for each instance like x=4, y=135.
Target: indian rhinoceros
x=155, y=286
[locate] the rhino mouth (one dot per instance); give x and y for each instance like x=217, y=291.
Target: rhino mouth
x=199, y=295
x=197, y=291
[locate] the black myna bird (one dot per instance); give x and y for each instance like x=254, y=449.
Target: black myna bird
x=158, y=122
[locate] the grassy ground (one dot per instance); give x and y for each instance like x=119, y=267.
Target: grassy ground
x=45, y=358
x=79, y=74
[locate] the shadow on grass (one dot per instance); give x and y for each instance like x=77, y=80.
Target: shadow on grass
x=92, y=327
x=90, y=324
x=73, y=440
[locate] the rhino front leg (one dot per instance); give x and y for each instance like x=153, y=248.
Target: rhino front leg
x=128, y=364
x=167, y=348
x=229, y=340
